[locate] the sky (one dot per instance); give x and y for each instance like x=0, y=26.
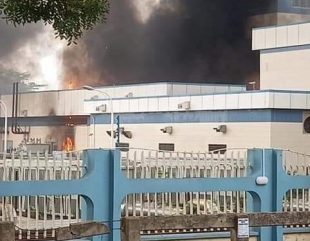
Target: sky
x=142, y=41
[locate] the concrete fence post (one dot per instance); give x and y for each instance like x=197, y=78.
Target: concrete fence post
x=7, y=231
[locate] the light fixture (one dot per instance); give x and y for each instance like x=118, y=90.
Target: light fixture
x=167, y=129
x=127, y=134
x=221, y=128
x=129, y=95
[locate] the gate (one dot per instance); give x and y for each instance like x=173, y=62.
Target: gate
x=103, y=185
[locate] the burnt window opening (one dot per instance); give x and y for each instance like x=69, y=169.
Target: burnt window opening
x=75, y=120
x=166, y=146
x=218, y=148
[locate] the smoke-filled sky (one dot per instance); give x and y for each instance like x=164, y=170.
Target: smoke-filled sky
x=143, y=41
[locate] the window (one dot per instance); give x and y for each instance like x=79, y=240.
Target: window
x=301, y=4
x=216, y=148
x=166, y=147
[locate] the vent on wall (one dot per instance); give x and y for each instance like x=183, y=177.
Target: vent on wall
x=218, y=148
x=166, y=146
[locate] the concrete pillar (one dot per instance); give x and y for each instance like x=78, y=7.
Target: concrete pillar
x=7, y=231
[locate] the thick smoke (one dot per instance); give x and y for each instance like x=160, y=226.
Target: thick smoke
x=11, y=38
x=144, y=41
x=180, y=40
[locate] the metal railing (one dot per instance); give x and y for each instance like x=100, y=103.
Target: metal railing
x=222, y=180
x=41, y=212
x=154, y=164
x=296, y=164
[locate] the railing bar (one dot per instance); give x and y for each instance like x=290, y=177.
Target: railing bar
x=133, y=198
x=77, y=208
x=3, y=198
x=225, y=176
x=297, y=199
x=141, y=204
x=53, y=212
x=44, y=215
x=61, y=201
x=135, y=165
x=127, y=164
x=126, y=206
x=28, y=216
x=163, y=203
x=178, y=175
x=303, y=199
x=291, y=199
x=205, y=174
x=20, y=214
x=69, y=199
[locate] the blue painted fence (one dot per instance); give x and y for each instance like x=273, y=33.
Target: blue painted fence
x=104, y=187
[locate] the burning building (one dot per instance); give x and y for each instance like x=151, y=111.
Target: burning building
x=167, y=115
x=178, y=116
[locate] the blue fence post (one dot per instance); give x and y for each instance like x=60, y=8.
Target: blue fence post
x=272, y=195
x=101, y=188
x=109, y=209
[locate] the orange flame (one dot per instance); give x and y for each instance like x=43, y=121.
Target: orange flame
x=67, y=144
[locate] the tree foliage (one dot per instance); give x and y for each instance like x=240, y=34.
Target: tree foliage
x=69, y=18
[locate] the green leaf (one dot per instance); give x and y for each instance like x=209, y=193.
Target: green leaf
x=69, y=18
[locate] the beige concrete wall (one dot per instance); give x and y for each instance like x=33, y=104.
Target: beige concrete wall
x=186, y=136
x=290, y=136
x=286, y=70
x=191, y=136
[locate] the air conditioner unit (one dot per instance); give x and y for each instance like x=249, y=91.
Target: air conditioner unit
x=167, y=129
x=101, y=108
x=186, y=105
x=306, y=123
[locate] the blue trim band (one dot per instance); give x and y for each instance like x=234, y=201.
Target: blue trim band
x=287, y=49
x=294, y=116
x=265, y=115
x=286, y=7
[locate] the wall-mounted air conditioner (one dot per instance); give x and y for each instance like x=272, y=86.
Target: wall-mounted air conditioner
x=186, y=105
x=101, y=108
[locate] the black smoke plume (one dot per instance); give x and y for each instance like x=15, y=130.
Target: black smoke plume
x=202, y=41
